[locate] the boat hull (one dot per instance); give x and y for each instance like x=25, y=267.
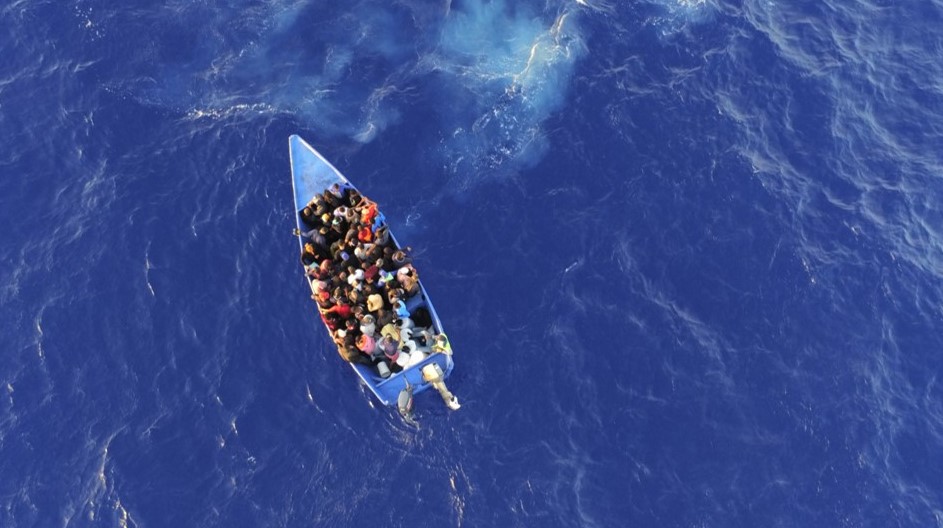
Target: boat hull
x=313, y=174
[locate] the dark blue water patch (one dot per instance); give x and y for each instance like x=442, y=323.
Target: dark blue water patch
x=711, y=298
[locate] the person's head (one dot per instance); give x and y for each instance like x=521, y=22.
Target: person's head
x=306, y=211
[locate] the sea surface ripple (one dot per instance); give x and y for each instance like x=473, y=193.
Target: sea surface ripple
x=689, y=254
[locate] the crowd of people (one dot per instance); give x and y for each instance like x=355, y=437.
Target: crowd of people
x=363, y=283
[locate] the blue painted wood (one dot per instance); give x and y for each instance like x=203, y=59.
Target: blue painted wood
x=312, y=174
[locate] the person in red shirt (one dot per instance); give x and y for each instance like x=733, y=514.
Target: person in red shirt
x=343, y=311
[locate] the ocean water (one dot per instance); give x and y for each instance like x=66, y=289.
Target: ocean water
x=689, y=254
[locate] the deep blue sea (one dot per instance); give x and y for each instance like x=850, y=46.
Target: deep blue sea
x=689, y=254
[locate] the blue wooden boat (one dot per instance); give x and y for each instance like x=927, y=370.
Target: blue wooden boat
x=312, y=174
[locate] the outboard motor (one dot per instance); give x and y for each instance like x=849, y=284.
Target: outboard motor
x=404, y=402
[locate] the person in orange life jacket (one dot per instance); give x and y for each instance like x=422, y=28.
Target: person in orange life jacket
x=319, y=287
x=323, y=298
x=365, y=235
x=369, y=214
